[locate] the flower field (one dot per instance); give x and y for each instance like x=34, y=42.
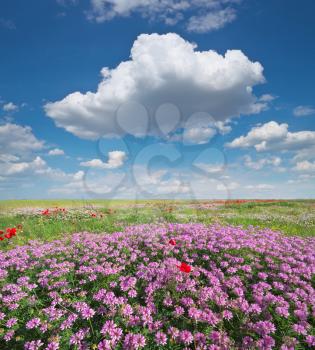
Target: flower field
x=165, y=286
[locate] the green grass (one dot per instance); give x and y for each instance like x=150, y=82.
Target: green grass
x=289, y=217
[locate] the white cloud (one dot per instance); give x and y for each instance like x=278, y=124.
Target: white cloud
x=218, y=12
x=305, y=166
x=199, y=135
x=115, y=160
x=302, y=111
x=78, y=176
x=173, y=186
x=264, y=187
x=210, y=168
x=10, y=107
x=56, y=152
x=228, y=186
x=18, y=159
x=159, y=182
x=259, y=135
x=200, y=128
x=16, y=139
x=211, y=21
x=302, y=179
x=267, y=98
x=20, y=174
x=83, y=184
x=274, y=137
x=304, y=154
x=261, y=163
x=11, y=166
x=223, y=127
x=162, y=69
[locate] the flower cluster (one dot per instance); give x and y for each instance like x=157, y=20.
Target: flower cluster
x=175, y=286
x=10, y=232
x=54, y=211
x=63, y=213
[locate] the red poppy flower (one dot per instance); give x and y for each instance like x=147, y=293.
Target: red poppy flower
x=1, y=232
x=8, y=236
x=184, y=267
x=172, y=242
x=45, y=212
x=93, y=215
x=1, y=238
x=11, y=231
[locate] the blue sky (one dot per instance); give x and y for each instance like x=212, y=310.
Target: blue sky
x=138, y=99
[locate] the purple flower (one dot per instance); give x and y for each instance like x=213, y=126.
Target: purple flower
x=264, y=327
x=179, y=311
x=33, y=345
x=87, y=313
x=111, y=329
x=33, y=323
x=9, y=335
x=266, y=343
x=310, y=340
x=11, y=322
x=66, y=324
x=300, y=328
x=52, y=346
x=160, y=338
x=186, y=337
x=77, y=337
x=226, y=314
x=134, y=341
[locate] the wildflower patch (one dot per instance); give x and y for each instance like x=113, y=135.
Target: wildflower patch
x=171, y=286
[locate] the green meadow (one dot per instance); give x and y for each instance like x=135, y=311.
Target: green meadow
x=290, y=217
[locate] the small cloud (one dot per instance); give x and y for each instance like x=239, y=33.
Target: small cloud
x=199, y=135
x=305, y=166
x=18, y=140
x=267, y=98
x=228, y=187
x=116, y=159
x=56, y=152
x=265, y=187
x=303, y=111
x=210, y=168
x=10, y=107
x=272, y=136
x=261, y=163
x=212, y=21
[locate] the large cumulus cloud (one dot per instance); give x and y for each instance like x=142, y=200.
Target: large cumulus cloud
x=162, y=69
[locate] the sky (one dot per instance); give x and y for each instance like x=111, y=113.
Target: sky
x=201, y=99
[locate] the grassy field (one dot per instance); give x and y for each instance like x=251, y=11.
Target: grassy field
x=290, y=217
